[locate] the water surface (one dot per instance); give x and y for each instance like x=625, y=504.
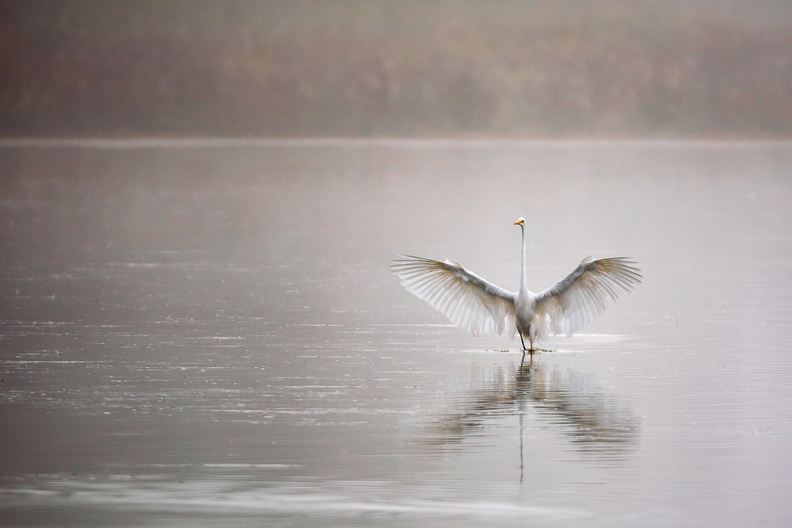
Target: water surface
x=206, y=333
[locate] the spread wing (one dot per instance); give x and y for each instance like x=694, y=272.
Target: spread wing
x=582, y=295
x=466, y=299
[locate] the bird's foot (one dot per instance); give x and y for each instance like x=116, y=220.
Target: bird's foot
x=535, y=349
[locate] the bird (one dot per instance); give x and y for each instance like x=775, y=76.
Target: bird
x=483, y=308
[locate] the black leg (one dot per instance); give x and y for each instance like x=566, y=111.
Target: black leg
x=523, y=343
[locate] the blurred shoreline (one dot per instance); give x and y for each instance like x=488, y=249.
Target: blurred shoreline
x=704, y=69
x=383, y=142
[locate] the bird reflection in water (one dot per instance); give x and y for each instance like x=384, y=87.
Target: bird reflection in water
x=569, y=402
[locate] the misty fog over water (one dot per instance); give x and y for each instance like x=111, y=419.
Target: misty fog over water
x=200, y=201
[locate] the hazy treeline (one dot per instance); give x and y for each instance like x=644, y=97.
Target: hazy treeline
x=707, y=68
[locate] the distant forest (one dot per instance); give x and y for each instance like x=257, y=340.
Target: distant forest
x=396, y=68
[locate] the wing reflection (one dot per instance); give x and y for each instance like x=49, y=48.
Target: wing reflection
x=570, y=402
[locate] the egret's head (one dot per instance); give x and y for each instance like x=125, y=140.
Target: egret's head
x=520, y=221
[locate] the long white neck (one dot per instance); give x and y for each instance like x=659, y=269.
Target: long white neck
x=523, y=271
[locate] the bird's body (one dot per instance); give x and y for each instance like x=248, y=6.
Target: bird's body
x=484, y=308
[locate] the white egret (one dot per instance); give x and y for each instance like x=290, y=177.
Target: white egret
x=483, y=308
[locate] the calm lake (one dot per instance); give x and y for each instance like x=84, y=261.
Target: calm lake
x=207, y=333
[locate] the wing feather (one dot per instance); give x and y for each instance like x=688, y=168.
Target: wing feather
x=466, y=299
x=583, y=294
